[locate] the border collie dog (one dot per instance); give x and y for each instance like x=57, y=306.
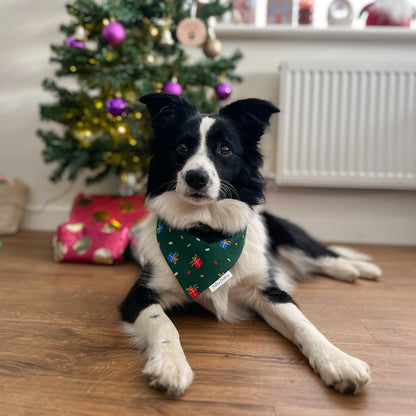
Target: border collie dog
x=205, y=241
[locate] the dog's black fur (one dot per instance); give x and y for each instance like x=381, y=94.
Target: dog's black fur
x=206, y=168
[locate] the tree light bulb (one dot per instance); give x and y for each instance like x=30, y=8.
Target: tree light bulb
x=121, y=129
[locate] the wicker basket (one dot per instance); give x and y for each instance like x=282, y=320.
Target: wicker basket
x=12, y=205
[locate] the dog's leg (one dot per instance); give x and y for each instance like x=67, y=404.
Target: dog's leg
x=152, y=331
x=347, y=270
x=337, y=369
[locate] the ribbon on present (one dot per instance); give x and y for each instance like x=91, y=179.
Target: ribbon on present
x=200, y=256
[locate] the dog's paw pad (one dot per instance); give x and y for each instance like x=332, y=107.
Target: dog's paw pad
x=344, y=373
x=172, y=375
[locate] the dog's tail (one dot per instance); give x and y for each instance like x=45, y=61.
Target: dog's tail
x=300, y=254
x=283, y=233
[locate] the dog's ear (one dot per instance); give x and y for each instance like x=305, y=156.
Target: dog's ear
x=250, y=116
x=167, y=110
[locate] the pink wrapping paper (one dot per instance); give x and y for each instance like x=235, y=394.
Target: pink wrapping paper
x=98, y=228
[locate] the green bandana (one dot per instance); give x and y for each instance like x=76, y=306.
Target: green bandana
x=200, y=258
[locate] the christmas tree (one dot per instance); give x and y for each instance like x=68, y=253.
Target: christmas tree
x=118, y=51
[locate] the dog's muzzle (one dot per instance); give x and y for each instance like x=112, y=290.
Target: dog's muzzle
x=197, y=179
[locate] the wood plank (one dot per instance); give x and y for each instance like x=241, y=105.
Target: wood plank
x=61, y=351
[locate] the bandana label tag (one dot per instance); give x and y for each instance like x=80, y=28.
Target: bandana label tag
x=223, y=279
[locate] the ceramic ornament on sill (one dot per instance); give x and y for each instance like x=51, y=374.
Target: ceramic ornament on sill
x=389, y=13
x=340, y=13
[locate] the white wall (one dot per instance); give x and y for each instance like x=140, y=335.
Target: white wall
x=331, y=214
x=28, y=28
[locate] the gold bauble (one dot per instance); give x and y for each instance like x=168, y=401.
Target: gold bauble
x=212, y=48
x=157, y=86
x=154, y=31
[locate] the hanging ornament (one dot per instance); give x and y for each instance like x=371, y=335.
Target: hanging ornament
x=166, y=38
x=114, y=33
x=150, y=59
x=153, y=31
x=80, y=33
x=71, y=42
x=116, y=106
x=166, y=35
x=212, y=47
x=78, y=39
x=223, y=91
x=84, y=135
x=191, y=31
x=172, y=87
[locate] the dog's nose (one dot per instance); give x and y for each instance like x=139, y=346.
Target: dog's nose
x=196, y=179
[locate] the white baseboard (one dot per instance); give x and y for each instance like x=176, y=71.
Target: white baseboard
x=45, y=218
x=338, y=216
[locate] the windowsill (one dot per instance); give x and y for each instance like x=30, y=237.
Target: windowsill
x=380, y=34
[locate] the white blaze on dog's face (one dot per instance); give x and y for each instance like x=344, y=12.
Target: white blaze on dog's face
x=198, y=180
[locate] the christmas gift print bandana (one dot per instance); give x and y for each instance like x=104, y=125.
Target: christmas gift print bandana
x=200, y=258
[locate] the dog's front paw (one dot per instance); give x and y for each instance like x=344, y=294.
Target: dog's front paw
x=343, y=373
x=169, y=371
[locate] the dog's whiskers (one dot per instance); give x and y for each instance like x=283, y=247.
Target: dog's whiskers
x=227, y=190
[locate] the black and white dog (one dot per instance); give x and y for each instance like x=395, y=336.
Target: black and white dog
x=205, y=170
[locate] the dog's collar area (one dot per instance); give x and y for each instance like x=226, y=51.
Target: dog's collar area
x=200, y=256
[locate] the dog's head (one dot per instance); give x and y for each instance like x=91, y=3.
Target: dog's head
x=205, y=158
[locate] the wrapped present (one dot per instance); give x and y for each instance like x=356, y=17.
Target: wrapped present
x=98, y=228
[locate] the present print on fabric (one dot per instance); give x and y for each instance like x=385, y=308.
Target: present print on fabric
x=173, y=257
x=224, y=244
x=192, y=291
x=208, y=253
x=196, y=261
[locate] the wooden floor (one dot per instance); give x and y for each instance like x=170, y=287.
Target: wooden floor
x=61, y=352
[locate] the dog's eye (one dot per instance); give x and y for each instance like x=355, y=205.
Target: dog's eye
x=182, y=149
x=224, y=150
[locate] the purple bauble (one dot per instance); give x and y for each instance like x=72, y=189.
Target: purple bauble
x=223, y=91
x=71, y=42
x=116, y=106
x=113, y=33
x=172, y=87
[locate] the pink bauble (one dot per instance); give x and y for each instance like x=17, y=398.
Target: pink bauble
x=116, y=106
x=113, y=33
x=223, y=91
x=172, y=87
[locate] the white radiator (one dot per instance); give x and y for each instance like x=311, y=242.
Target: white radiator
x=347, y=125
